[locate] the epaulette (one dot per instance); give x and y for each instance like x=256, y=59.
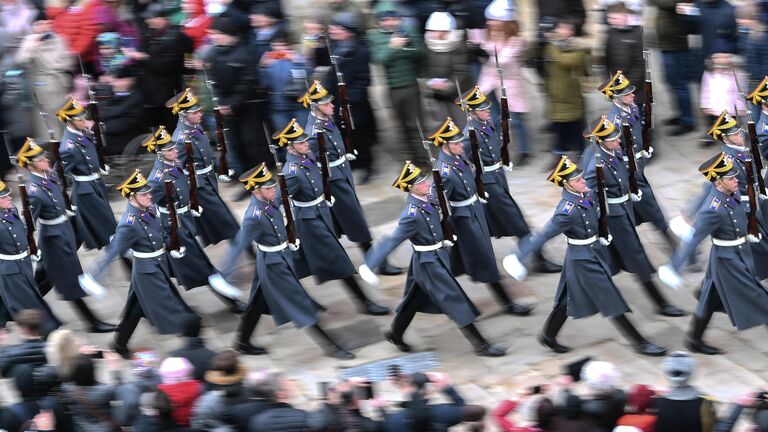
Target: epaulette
x=293, y=167
x=764, y=129
x=568, y=207
x=32, y=188
x=256, y=213
x=130, y=219
x=158, y=175
x=617, y=120
x=445, y=169
x=715, y=204
x=412, y=210
x=69, y=144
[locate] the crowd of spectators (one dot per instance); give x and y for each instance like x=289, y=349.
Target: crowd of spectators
x=64, y=385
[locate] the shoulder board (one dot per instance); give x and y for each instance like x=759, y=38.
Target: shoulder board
x=256, y=213
x=32, y=188
x=764, y=129
x=158, y=175
x=715, y=204
x=130, y=219
x=445, y=169
x=412, y=210
x=568, y=207
x=293, y=167
x=69, y=144
x=617, y=120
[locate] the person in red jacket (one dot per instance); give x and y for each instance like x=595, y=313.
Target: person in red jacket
x=75, y=21
x=182, y=390
x=196, y=21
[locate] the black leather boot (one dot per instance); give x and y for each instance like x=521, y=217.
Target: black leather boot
x=638, y=342
x=482, y=346
x=44, y=284
x=124, y=332
x=509, y=306
x=367, y=306
x=694, y=341
x=330, y=347
x=95, y=325
x=248, y=323
x=664, y=307
x=555, y=321
x=399, y=325
x=543, y=265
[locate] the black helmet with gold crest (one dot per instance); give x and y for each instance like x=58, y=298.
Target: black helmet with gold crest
x=604, y=130
x=291, y=133
x=29, y=152
x=447, y=132
x=760, y=93
x=316, y=94
x=721, y=165
x=184, y=102
x=71, y=110
x=409, y=176
x=256, y=177
x=617, y=85
x=725, y=125
x=564, y=171
x=475, y=99
x=159, y=141
x=136, y=183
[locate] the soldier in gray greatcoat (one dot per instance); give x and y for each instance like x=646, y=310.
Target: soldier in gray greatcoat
x=94, y=221
x=430, y=287
x=473, y=253
x=216, y=222
x=194, y=269
x=59, y=265
x=320, y=254
x=152, y=293
x=730, y=282
x=347, y=212
x=627, y=252
x=18, y=290
x=621, y=93
x=276, y=289
x=504, y=216
x=586, y=286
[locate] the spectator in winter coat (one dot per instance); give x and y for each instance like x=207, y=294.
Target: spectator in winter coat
x=182, y=390
x=90, y=402
x=31, y=350
x=122, y=112
x=225, y=384
x=75, y=21
x=196, y=21
x=194, y=349
x=683, y=408
x=637, y=415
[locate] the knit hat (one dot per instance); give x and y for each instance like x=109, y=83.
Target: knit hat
x=501, y=10
x=440, y=21
x=175, y=369
x=349, y=20
x=386, y=9
x=600, y=376
x=225, y=25
x=639, y=397
x=678, y=367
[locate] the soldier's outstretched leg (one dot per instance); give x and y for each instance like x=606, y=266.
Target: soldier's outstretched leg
x=247, y=325
x=401, y=322
x=694, y=341
x=126, y=327
x=638, y=342
x=367, y=306
x=509, y=306
x=385, y=268
x=481, y=345
x=95, y=325
x=543, y=265
x=552, y=326
x=332, y=349
x=663, y=306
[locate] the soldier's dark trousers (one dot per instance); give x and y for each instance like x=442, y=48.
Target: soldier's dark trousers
x=250, y=319
x=555, y=320
x=628, y=330
x=130, y=321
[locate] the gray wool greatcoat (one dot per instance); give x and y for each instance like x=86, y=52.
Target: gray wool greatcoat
x=347, y=212
x=586, y=285
x=730, y=281
x=504, y=217
x=429, y=282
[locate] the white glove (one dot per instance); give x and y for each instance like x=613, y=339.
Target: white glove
x=295, y=246
x=649, y=153
x=331, y=202
x=606, y=241
x=70, y=213
x=36, y=257
x=198, y=212
x=448, y=243
x=105, y=170
x=764, y=195
x=221, y=286
x=508, y=168
x=670, y=277
x=179, y=253
x=483, y=199
x=224, y=178
x=753, y=239
x=351, y=156
x=90, y=286
x=368, y=275
x=514, y=267
x=682, y=228
x=638, y=197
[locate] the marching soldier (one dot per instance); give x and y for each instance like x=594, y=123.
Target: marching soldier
x=59, y=265
x=759, y=97
x=321, y=253
x=194, y=269
x=473, y=253
x=504, y=217
x=730, y=283
x=430, y=286
x=347, y=212
x=216, y=223
x=621, y=93
x=94, y=221
x=627, y=252
x=276, y=289
x=586, y=287
x=152, y=293
x=18, y=289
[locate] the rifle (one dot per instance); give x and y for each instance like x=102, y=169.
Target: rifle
x=53, y=146
x=347, y=123
x=192, y=176
x=26, y=211
x=752, y=227
x=754, y=145
x=325, y=168
x=93, y=111
x=475, y=149
x=173, y=237
x=225, y=174
x=290, y=228
x=602, y=199
x=505, y=139
x=648, y=107
x=629, y=149
x=445, y=224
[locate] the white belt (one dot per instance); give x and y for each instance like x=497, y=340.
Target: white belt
x=493, y=167
x=205, y=170
x=582, y=242
x=618, y=200
x=745, y=198
x=86, y=178
x=55, y=221
x=428, y=248
x=153, y=254
x=738, y=241
x=278, y=248
x=180, y=210
x=337, y=162
x=312, y=203
x=464, y=203
x=16, y=257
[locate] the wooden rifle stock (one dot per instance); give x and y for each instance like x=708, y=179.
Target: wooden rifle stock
x=445, y=213
x=173, y=236
x=505, y=138
x=27, y=213
x=191, y=175
x=629, y=150
x=752, y=227
x=602, y=200
x=477, y=162
x=754, y=148
x=53, y=145
x=98, y=133
x=347, y=125
x=325, y=168
x=647, y=107
x=221, y=143
x=290, y=227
